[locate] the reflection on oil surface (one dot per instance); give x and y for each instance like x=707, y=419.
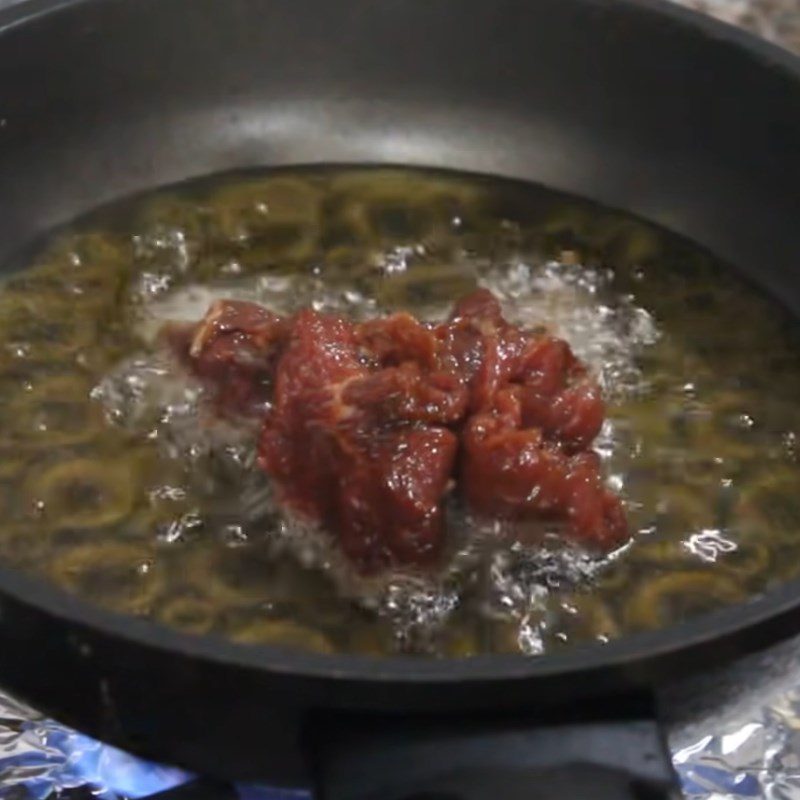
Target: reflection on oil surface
x=115, y=485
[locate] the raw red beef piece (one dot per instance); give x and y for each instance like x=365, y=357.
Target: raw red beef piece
x=511, y=471
x=234, y=348
x=340, y=448
x=370, y=425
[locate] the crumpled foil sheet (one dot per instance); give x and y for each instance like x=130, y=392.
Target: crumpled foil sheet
x=43, y=757
x=734, y=734
x=40, y=759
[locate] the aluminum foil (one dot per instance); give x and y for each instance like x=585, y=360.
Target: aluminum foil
x=40, y=758
x=734, y=734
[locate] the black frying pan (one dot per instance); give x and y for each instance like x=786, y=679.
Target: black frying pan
x=630, y=102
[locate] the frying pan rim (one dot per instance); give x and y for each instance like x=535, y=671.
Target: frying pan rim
x=23, y=12
x=702, y=631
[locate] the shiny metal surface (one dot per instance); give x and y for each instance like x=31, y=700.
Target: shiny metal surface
x=735, y=733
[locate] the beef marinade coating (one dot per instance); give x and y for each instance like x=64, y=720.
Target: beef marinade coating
x=366, y=427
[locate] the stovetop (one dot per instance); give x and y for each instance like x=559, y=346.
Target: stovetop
x=734, y=734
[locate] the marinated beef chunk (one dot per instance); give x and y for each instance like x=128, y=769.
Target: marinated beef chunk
x=366, y=427
x=512, y=471
x=234, y=348
x=341, y=447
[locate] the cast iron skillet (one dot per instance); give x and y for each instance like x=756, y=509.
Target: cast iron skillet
x=630, y=102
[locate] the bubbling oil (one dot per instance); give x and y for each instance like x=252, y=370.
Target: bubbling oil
x=119, y=484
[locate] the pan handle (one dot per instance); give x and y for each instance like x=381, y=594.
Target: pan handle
x=362, y=758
